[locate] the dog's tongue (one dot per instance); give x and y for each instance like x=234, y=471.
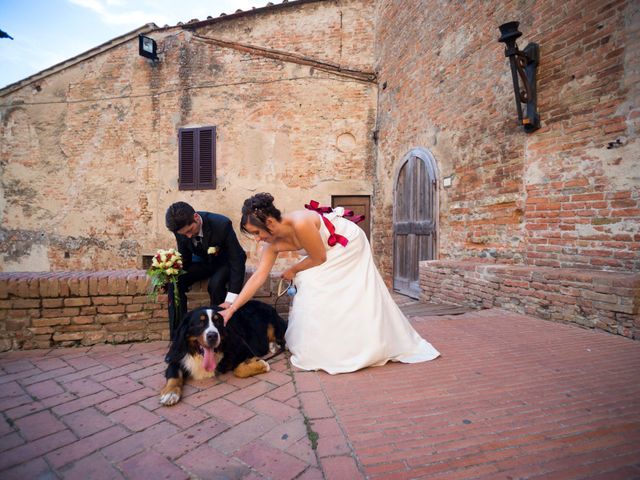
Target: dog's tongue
x=209, y=359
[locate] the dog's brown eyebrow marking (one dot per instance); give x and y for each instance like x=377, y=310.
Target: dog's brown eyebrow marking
x=203, y=317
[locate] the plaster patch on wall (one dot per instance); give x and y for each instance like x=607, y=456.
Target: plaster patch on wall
x=36, y=260
x=454, y=43
x=576, y=87
x=623, y=227
x=534, y=174
x=622, y=165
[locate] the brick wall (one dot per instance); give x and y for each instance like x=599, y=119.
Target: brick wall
x=583, y=203
x=563, y=196
x=607, y=301
x=42, y=310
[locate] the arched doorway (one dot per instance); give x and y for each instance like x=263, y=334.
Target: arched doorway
x=415, y=216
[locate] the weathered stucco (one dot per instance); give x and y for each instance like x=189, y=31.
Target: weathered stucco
x=89, y=154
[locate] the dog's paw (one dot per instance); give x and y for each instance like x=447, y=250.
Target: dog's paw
x=265, y=365
x=251, y=367
x=169, y=398
x=171, y=393
x=273, y=347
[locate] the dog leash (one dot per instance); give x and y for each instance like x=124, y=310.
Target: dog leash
x=290, y=289
x=251, y=349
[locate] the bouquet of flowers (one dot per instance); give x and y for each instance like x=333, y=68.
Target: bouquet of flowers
x=166, y=266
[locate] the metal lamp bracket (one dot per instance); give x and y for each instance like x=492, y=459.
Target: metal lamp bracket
x=524, y=64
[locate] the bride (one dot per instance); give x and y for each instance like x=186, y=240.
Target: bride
x=342, y=318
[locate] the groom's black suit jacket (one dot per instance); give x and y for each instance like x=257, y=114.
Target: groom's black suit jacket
x=217, y=231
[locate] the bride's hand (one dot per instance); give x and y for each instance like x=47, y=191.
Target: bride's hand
x=288, y=275
x=226, y=314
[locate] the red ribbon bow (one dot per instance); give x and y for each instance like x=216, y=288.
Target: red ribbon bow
x=333, y=236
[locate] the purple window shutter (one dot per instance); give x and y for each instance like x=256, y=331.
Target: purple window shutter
x=197, y=158
x=207, y=158
x=186, y=168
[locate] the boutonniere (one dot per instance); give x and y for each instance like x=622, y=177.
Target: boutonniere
x=213, y=250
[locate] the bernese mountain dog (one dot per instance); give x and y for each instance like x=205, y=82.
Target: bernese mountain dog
x=204, y=346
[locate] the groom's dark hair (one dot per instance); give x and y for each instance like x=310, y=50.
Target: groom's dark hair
x=179, y=215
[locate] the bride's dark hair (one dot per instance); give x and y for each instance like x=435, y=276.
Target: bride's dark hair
x=256, y=209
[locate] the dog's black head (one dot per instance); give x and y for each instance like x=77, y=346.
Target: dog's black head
x=200, y=333
x=218, y=321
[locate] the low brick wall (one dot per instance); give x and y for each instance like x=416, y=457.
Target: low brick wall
x=60, y=309
x=604, y=300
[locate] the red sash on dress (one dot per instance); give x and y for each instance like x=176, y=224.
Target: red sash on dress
x=333, y=236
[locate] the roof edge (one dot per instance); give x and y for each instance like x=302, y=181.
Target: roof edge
x=255, y=10
x=149, y=27
x=114, y=42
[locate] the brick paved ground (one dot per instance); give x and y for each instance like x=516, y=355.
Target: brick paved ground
x=512, y=397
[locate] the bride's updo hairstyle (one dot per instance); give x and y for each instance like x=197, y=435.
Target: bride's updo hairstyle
x=257, y=209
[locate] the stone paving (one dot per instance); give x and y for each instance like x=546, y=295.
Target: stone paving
x=512, y=397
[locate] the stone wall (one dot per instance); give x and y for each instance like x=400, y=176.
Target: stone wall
x=44, y=310
x=607, y=301
x=89, y=151
x=567, y=195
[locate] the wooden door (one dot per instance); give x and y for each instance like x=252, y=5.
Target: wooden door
x=360, y=204
x=414, y=223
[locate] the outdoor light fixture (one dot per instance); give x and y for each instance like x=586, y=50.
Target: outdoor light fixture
x=524, y=64
x=147, y=47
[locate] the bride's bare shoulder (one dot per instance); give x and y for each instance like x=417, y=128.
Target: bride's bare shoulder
x=303, y=217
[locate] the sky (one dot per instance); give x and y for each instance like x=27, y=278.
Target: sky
x=47, y=32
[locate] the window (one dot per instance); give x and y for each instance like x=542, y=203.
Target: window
x=197, y=158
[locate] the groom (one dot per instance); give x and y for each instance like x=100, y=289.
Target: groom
x=209, y=249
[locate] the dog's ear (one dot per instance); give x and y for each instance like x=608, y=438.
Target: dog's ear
x=179, y=346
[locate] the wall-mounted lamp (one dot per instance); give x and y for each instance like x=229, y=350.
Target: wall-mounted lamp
x=147, y=47
x=524, y=64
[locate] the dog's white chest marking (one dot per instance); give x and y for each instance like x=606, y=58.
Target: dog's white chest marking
x=193, y=364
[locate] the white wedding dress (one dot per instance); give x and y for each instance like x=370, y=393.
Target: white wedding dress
x=343, y=318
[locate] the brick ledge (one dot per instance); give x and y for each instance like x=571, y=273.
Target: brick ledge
x=598, y=299
x=62, y=309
